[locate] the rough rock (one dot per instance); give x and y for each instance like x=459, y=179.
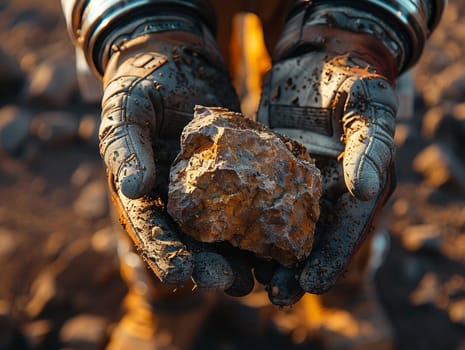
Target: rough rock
x=14, y=128
x=236, y=181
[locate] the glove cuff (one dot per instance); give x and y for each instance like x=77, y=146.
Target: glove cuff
x=401, y=26
x=100, y=27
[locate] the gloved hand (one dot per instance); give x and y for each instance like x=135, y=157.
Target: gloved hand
x=151, y=85
x=334, y=94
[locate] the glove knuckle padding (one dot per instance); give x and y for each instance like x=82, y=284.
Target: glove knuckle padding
x=368, y=126
x=125, y=134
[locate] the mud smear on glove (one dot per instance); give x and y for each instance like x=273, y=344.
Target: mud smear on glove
x=235, y=181
x=154, y=235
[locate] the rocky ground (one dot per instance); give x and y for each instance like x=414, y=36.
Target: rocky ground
x=60, y=281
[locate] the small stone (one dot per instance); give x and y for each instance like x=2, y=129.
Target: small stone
x=53, y=83
x=29, y=61
x=8, y=242
x=55, y=128
x=427, y=290
x=444, y=123
x=92, y=203
x=432, y=120
x=84, y=332
x=14, y=128
x=457, y=311
x=455, y=89
x=89, y=128
x=422, y=236
x=236, y=181
x=440, y=166
x=54, y=244
x=82, y=175
x=405, y=135
x=44, y=293
x=458, y=111
x=37, y=331
x=447, y=85
x=104, y=240
x=401, y=207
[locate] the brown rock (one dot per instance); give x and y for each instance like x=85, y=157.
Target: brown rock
x=236, y=181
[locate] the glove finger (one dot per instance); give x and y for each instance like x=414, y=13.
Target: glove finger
x=125, y=135
x=339, y=234
x=217, y=267
x=367, y=156
x=264, y=270
x=155, y=236
x=369, y=136
x=284, y=288
x=212, y=271
x=243, y=279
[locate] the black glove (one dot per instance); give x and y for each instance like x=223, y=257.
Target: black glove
x=333, y=96
x=152, y=84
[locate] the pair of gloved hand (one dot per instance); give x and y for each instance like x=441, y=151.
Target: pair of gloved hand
x=334, y=95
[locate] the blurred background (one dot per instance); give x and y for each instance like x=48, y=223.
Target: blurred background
x=59, y=279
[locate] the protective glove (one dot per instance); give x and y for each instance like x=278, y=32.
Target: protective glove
x=151, y=85
x=334, y=94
